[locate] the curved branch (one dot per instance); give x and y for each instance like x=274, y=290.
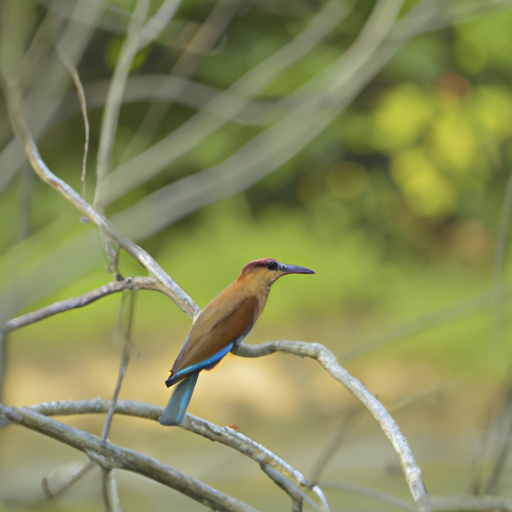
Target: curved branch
x=130, y=283
x=111, y=456
x=234, y=99
x=328, y=360
x=180, y=298
x=224, y=435
x=110, y=118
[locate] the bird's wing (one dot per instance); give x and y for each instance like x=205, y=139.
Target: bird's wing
x=213, y=335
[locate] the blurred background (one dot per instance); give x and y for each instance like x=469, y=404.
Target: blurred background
x=369, y=141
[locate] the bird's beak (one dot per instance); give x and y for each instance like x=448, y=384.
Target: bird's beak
x=294, y=269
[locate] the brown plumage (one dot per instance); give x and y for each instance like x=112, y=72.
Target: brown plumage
x=220, y=326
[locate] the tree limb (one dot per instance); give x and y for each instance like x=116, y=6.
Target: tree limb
x=224, y=435
x=130, y=283
x=328, y=360
x=111, y=456
x=180, y=298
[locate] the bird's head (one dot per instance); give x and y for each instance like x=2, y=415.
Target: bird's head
x=267, y=270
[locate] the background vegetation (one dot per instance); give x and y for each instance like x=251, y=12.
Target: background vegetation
x=379, y=156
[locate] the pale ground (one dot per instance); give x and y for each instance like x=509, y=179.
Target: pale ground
x=288, y=404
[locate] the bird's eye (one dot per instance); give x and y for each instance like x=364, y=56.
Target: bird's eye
x=272, y=265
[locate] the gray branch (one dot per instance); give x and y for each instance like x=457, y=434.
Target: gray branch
x=328, y=360
x=39, y=166
x=281, y=471
x=111, y=456
x=131, y=283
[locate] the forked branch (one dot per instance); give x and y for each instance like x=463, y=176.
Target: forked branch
x=110, y=456
x=22, y=132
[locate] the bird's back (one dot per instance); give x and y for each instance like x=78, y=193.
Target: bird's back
x=224, y=321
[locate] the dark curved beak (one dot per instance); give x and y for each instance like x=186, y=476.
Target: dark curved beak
x=294, y=269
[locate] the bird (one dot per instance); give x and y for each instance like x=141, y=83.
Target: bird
x=221, y=326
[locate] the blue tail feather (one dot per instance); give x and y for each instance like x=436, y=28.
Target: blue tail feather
x=175, y=409
x=207, y=364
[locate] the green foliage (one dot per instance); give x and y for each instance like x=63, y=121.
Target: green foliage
x=395, y=205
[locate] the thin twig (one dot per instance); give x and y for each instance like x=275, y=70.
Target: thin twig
x=83, y=106
x=52, y=79
x=25, y=216
x=53, y=494
x=500, y=255
x=439, y=503
x=381, y=497
x=502, y=423
x=250, y=164
x=328, y=360
x=157, y=23
x=138, y=36
x=109, y=121
x=159, y=88
x=124, y=330
x=297, y=494
x=109, y=491
x=131, y=283
x=347, y=423
x=281, y=141
x=233, y=100
x=297, y=505
x=195, y=51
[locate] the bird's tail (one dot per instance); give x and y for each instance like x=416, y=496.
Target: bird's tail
x=174, y=411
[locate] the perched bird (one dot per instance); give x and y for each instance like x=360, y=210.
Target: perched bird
x=220, y=326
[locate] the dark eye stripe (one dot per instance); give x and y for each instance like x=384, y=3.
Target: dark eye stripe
x=272, y=265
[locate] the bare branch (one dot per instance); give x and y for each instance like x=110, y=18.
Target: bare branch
x=206, y=37
x=196, y=50
x=15, y=113
x=439, y=503
x=224, y=435
x=297, y=495
x=169, y=88
x=328, y=360
x=52, y=78
x=281, y=141
x=110, y=117
x=157, y=23
x=131, y=283
x=138, y=36
x=70, y=481
x=109, y=490
x=347, y=423
x=248, y=447
x=500, y=254
x=83, y=106
x=233, y=100
x=502, y=427
x=111, y=456
x=123, y=330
